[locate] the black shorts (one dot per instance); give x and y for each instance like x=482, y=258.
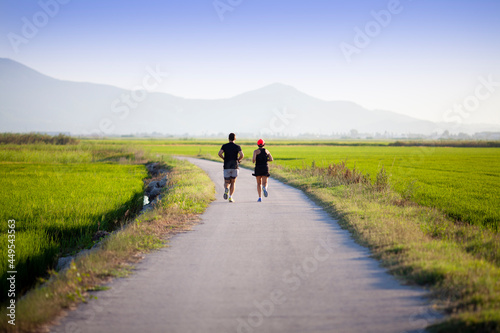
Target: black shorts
x=261, y=170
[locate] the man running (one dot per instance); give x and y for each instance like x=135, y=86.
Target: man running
x=232, y=155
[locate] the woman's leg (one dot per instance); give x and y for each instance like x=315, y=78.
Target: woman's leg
x=259, y=185
x=264, y=185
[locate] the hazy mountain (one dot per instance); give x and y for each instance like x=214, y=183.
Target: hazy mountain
x=31, y=101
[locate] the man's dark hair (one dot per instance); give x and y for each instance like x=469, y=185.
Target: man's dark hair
x=232, y=136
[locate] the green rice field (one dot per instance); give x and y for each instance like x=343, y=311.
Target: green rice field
x=59, y=198
x=463, y=182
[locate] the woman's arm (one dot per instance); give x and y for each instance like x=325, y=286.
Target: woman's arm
x=255, y=152
x=269, y=156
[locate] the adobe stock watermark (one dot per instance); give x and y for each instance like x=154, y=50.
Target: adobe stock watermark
x=279, y=122
x=371, y=30
x=292, y=280
x=122, y=106
x=483, y=91
x=32, y=26
x=224, y=6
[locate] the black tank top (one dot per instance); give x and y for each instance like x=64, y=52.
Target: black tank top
x=261, y=158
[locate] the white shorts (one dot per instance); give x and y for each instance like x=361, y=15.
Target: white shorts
x=231, y=173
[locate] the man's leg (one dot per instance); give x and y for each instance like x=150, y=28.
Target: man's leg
x=232, y=185
x=227, y=183
x=233, y=174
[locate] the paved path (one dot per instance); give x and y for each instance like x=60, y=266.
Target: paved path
x=282, y=265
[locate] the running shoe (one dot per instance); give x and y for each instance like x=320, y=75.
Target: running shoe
x=260, y=200
x=231, y=200
x=265, y=191
x=225, y=193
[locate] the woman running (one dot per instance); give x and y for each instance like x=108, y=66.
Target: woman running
x=260, y=157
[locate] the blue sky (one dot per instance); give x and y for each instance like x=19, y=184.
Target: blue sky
x=422, y=60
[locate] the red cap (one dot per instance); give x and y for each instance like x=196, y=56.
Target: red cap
x=261, y=142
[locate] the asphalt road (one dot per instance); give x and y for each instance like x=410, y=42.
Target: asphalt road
x=282, y=265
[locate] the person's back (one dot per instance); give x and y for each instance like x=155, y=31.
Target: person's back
x=231, y=151
x=261, y=158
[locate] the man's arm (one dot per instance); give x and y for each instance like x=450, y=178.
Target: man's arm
x=221, y=154
x=240, y=156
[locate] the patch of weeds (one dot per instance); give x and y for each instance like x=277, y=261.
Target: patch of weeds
x=98, y=288
x=382, y=180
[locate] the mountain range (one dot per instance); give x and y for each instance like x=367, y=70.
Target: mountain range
x=34, y=102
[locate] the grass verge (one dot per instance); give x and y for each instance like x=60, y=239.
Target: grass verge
x=420, y=245
x=189, y=193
